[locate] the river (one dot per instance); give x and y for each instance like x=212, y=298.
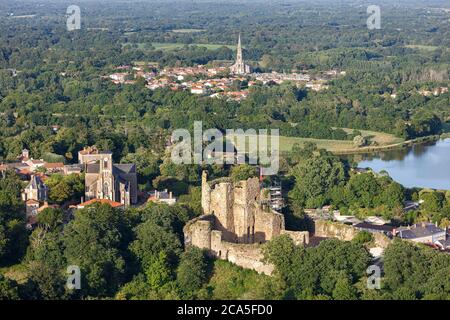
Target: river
x=424, y=165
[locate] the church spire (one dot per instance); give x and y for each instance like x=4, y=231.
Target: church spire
x=239, y=51
x=240, y=67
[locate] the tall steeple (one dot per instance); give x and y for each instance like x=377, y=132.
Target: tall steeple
x=240, y=67
x=239, y=59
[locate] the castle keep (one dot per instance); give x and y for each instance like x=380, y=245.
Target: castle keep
x=236, y=223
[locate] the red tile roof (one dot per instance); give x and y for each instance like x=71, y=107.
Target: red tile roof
x=102, y=201
x=55, y=165
x=31, y=201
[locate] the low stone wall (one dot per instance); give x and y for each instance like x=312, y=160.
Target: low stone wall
x=299, y=237
x=199, y=232
x=329, y=229
x=249, y=256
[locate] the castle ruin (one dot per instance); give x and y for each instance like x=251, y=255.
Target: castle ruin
x=235, y=223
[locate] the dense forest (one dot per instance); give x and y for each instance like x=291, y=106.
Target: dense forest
x=50, y=76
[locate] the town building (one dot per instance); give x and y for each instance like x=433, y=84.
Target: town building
x=162, y=197
x=106, y=180
x=57, y=167
x=375, y=228
x=423, y=232
x=24, y=156
x=35, y=190
x=72, y=169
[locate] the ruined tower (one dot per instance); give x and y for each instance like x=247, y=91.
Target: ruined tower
x=234, y=224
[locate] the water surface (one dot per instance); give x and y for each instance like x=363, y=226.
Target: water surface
x=425, y=165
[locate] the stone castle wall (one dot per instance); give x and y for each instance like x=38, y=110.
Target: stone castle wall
x=200, y=233
x=329, y=229
x=234, y=224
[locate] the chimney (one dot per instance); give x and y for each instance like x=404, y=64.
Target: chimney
x=170, y=195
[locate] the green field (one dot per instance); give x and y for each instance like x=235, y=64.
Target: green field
x=188, y=30
x=379, y=137
x=286, y=143
x=172, y=46
x=382, y=139
x=165, y=46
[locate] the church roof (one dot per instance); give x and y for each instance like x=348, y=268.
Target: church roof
x=35, y=182
x=125, y=167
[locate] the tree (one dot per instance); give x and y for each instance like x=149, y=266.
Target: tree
x=363, y=190
x=13, y=235
x=243, y=172
x=93, y=241
x=9, y=289
x=158, y=271
x=344, y=289
x=313, y=272
x=64, y=188
x=282, y=252
x=50, y=218
x=363, y=237
x=432, y=201
x=46, y=263
x=359, y=141
x=151, y=239
x=315, y=178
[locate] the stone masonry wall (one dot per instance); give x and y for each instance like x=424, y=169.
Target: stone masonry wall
x=324, y=228
x=329, y=229
x=234, y=224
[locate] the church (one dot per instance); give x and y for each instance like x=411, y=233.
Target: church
x=240, y=68
x=105, y=180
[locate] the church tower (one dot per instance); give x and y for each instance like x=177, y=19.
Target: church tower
x=106, y=181
x=240, y=67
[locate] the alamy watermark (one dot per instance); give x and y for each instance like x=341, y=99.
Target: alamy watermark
x=374, y=277
x=73, y=278
x=259, y=148
x=374, y=20
x=73, y=18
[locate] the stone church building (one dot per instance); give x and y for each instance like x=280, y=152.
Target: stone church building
x=106, y=180
x=240, y=67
